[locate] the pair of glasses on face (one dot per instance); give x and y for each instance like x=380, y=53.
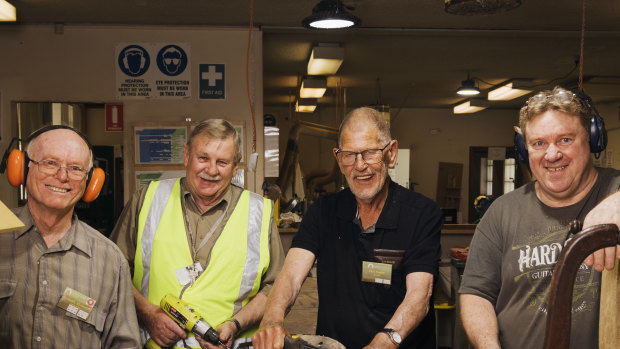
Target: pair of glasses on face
x=51, y=167
x=370, y=156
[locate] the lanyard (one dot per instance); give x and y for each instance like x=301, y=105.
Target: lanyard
x=206, y=238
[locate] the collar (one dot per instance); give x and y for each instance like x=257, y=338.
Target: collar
x=388, y=219
x=189, y=198
x=71, y=238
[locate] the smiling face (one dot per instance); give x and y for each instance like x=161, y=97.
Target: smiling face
x=559, y=155
x=56, y=192
x=365, y=180
x=210, y=166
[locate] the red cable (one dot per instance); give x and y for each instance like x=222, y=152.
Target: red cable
x=247, y=79
x=583, y=30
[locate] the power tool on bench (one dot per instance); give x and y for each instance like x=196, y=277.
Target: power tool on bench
x=188, y=319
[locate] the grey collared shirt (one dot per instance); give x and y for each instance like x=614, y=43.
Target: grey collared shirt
x=33, y=278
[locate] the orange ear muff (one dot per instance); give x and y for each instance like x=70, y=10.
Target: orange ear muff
x=15, y=167
x=93, y=188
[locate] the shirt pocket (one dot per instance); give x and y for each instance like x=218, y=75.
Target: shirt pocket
x=392, y=257
x=7, y=289
x=93, y=323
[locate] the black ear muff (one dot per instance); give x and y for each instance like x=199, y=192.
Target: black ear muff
x=520, y=148
x=598, y=134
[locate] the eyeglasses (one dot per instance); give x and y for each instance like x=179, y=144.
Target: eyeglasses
x=370, y=156
x=51, y=167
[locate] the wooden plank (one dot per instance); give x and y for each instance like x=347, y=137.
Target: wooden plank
x=609, y=320
x=8, y=221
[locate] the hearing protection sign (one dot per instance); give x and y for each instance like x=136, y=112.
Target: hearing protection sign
x=153, y=71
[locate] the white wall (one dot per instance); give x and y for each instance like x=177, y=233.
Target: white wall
x=79, y=66
x=456, y=133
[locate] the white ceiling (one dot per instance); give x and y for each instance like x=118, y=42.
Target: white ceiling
x=406, y=53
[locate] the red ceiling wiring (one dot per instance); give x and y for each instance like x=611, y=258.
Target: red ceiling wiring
x=247, y=76
x=583, y=30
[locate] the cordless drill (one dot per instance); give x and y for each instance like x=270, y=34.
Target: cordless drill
x=188, y=319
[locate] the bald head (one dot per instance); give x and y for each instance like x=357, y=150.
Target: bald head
x=41, y=141
x=365, y=117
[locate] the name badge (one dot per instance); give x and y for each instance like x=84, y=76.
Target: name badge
x=76, y=303
x=380, y=273
x=188, y=274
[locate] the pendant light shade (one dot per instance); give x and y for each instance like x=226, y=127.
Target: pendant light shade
x=330, y=14
x=468, y=88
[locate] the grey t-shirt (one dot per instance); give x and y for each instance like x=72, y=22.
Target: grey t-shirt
x=511, y=260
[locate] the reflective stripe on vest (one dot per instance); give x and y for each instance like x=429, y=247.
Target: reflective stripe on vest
x=152, y=222
x=252, y=258
x=238, y=260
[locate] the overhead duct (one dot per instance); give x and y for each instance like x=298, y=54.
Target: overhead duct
x=291, y=154
x=480, y=7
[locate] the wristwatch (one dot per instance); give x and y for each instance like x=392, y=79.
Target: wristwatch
x=394, y=336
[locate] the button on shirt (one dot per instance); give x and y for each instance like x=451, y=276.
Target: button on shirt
x=33, y=278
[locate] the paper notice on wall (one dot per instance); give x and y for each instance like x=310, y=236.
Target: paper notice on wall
x=160, y=145
x=272, y=151
x=153, y=71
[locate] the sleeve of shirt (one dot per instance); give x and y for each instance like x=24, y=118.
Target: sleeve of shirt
x=482, y=275
x=307, y=236
x=125, y=232
x=121, y=325
x=276, y=259
x=424, y=253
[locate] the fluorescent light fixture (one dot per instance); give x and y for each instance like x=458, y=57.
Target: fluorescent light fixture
x=7, y=12
x=511, y=90
x=330, y=14
x=468, y=88
x=471, y=106
x=325, y=60
x=305, y=105
x=313, y=87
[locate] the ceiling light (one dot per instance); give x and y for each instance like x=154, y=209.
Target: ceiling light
x=471, y=106
x=305, y=105
x=7, y=12
x=511, y=90
x=325, y=60
x=468, y=88
x=312, y=87
x=330, y=14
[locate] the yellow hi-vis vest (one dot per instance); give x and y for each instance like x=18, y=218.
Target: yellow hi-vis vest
x=238, y=260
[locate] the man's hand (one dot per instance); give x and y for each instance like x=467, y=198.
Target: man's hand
x=606, y=212
x=162, y=328
x=227, y=331
x=269, y=337
x=381, y=341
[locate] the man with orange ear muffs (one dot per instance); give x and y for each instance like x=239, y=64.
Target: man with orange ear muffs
x=62, y=283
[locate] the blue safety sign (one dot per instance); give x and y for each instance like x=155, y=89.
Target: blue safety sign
x=212, y=81
x=171, y=60
x=134, y=60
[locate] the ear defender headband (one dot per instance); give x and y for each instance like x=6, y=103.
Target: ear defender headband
x=16, y=164
x=597, y=132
